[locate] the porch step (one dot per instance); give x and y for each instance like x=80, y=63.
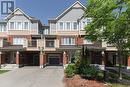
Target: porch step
x=9, y=66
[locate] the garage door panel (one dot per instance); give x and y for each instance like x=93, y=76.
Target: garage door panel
x=54, y=61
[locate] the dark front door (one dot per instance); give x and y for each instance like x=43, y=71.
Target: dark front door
x=35, y=60
x=54, y=61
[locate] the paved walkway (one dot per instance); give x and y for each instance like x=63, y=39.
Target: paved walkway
x=51, y=76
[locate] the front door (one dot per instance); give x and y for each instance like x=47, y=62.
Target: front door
x=36, y=60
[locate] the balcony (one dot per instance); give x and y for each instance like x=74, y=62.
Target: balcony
x=32, y=43
x=4, y=42
x=50, y=44
x=82, y=32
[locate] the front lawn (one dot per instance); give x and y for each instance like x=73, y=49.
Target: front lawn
x=3, y=71
x=118, y=85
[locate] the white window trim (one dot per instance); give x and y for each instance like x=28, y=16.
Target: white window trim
x=73, y=25
x=66, y=26
x=18, y=41
x=59, y=25
x=3, y=28
x=10, y=26
x=24, y=25
x=17, y=25
x=65, y=41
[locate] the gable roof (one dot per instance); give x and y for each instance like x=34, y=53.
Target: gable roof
x=73, y=5
x=18, y=9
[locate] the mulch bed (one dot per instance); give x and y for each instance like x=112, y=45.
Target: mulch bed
x=77, y=81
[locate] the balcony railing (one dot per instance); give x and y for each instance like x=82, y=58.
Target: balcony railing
x=82, y=32
x=50, y=43
x=32, y=43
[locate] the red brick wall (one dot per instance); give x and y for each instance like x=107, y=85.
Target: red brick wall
x=10, y=38
x=128, y=61
x=79, y=40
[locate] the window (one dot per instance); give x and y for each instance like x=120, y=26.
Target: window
x=18, y=41
x=2, y=28
x=84, y=24
x=110, y=45
x=26, y=25
x=68, y=41
x=87, y=41
x=19, y=25
x=46, y=31
x=68, y=25
x=49, y=43
x=88, y=21
x=75, y=25
x=11, y=25
x=61, y=25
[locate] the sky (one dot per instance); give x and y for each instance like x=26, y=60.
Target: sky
x=45, y=9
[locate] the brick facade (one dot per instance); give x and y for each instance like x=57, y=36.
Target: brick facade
x=17, y=58
x=10, y=38
x=79, y=40
x=65, y=58
x=128, y=61
x=42, y=60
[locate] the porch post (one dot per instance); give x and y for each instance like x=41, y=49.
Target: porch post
x=17, y=59
x=128, y=63
x=103, y=60
x=0, y=59
x=65, y=59
x=42, y=60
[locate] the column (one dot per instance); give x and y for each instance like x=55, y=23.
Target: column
x=65, y=59
x=0, y=59
x=103, y=60
x=42, y=60
x=17, y=59
x=128, y=63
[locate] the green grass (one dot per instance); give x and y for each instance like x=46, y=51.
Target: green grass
x=3, y=71
x=118, y=85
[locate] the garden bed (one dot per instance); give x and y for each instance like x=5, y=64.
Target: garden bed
x=77, y=81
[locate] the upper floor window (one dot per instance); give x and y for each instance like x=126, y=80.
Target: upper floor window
x=88, y=21
x=75, y=25
x=68, y=25
x=61, y=25
x=18, y=41
x=12, y=25
x=46, y=31
x=19, y=25
x=26, y=25
x=2, y=28
x=67, y=41
x=87, y=41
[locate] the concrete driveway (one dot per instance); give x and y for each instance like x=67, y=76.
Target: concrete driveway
x=51, y=76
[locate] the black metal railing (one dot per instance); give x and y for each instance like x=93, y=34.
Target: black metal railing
x=32, y=43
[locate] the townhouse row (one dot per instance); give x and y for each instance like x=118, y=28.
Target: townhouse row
x=25, y=41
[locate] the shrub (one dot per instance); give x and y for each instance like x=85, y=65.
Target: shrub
x=70, y=70
x=89, y=72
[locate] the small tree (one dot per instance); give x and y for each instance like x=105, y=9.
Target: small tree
x=110, y=24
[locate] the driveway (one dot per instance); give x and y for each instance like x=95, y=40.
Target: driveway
x=51, y=76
